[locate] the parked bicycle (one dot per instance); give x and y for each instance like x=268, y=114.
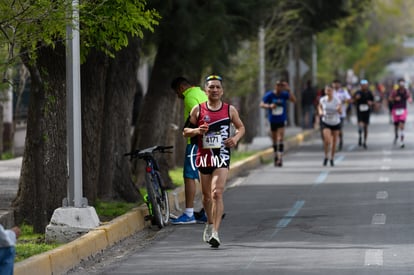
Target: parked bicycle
x=158, y=205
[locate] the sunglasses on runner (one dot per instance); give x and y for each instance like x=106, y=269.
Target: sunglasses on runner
x=214, y=77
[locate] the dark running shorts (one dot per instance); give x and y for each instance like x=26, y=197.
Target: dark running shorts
x=336, y=127
x=208, y=170
x=363, y=117
x=277, y=125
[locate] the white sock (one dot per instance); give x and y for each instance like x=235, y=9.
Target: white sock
x=189, y=212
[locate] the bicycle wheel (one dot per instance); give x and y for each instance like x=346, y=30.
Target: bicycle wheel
x=155, y=198
x=163, y=202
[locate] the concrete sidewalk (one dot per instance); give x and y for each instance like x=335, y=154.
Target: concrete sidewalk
x=9, y=183
x=67, y=256
x=9, y=176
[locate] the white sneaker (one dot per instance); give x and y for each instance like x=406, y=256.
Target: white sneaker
x=214, y=240
x=208, y=229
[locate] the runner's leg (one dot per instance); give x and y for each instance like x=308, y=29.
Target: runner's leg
x=218, y=182
x=360, y=128
x=280, y=138
x=365, y=132
x=335, y=136
x=274, y=141
x=327, y=136
x=401, y=124
x=206, y=190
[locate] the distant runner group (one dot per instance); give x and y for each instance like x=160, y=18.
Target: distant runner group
x=333, y=108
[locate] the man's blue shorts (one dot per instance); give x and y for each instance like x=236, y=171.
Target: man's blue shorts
x=190, y=170
x=7, y=255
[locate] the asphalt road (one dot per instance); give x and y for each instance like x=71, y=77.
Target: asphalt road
x=303, y=218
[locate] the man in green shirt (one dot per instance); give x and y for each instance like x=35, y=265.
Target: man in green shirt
x=192, y=96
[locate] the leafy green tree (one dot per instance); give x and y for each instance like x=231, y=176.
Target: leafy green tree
x=110, y=34
x=367, y=41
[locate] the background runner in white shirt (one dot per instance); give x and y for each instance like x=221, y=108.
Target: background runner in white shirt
x=329, y=109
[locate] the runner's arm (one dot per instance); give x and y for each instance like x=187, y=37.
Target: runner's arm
x=264, y=103
x=191, y=129
x=238, y=124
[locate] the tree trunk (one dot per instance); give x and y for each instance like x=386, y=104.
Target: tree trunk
x=43, y=177
x=249, y=114
x=115, y=177
x=94, y=73
x=298, y=86
x=157, y=113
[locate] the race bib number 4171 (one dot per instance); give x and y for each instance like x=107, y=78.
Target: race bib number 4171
x=212, y=140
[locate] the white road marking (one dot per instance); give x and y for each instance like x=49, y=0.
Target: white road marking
x=379, y=218
x=382, y=195
x=321, y=178
x=290, y=215
x=384, y=179
x=339, y=158
x=374, y=257
x=282, y=223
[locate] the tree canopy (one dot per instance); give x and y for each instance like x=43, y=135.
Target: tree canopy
x=366, y=41
x=105, y=25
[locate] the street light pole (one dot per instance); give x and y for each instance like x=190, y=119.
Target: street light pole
x=314, y=61
x=75, y=217
x=262, y=69
x=74, y=129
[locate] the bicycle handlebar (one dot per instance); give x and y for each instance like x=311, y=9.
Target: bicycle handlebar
x=148, y=151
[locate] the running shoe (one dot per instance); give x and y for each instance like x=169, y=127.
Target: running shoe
x=402, y=144
x=276, y=160
x=360, y=141
x=183, y=219
x=332, y=162
x=280, y=163
x=365, y=145
x=208, y=229
x=325, y=162
x=214, y=240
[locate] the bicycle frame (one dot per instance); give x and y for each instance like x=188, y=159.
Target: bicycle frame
x=157, y=202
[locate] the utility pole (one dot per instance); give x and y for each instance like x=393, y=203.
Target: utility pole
x=75, y=217
x=314, y=61
x=73, y=112
x=262, y=69
x=292, y=73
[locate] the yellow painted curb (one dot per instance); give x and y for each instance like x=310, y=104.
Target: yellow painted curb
x=35, y=265
x=63, y=258
x=125, y=225
x=90, y=244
